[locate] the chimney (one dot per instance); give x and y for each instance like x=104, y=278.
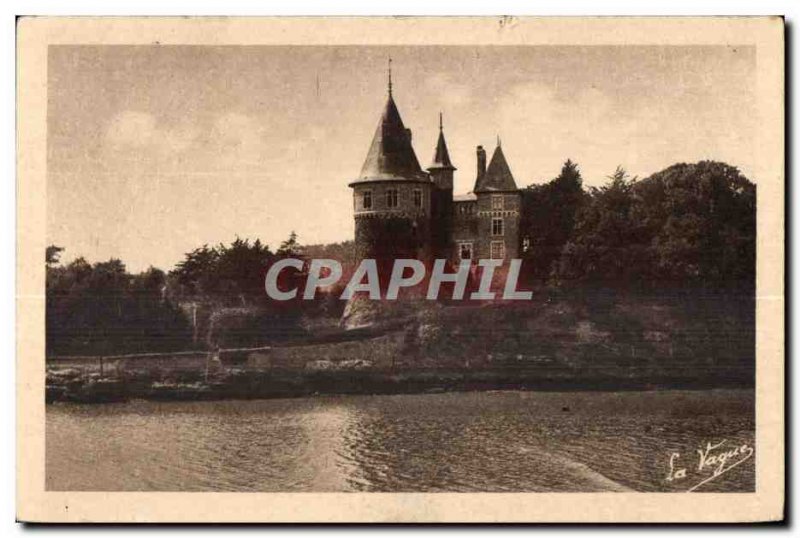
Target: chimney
x=408, y=134
x=481, y=162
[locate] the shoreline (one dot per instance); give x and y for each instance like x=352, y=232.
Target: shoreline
x=250, y=385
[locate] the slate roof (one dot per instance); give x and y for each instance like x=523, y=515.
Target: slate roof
x=498, y=177
x=441, y=159
x=391, y=156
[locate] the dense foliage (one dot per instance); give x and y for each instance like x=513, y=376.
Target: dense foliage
x=691, y=225
x=344, y=252
x=103, y=309
x=686, y=226
x=549, y=219
x=228, y=274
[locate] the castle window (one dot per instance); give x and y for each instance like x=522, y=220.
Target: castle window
x=417, y=198
x=498, y=250
x=366, y=201
x=497, y=226
x=391, y=198
x=526, y=244
x=465, y=251
x=497, y=202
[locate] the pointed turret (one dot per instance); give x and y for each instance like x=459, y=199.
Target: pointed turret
x=391, y=156
x=498, y=177
x=392, y=197
x=441, y=158
x=441, y=171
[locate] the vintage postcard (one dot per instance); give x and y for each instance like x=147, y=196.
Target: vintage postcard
x=400, y=269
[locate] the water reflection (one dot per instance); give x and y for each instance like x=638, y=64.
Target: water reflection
x=510, y=441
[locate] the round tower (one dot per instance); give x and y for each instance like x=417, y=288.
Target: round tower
x=392, y=195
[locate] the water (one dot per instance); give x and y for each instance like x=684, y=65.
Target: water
x=480, y=441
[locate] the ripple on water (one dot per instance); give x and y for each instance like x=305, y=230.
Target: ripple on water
x=498, y=441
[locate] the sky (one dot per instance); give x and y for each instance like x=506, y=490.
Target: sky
x=156, y=150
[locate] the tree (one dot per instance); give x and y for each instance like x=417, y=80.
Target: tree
x=53, y=255
x=702, y=218
x=690, y=225
x=196, y=272
x=343, y=252
x=605, y=244
x=227, y=274
x=240, y=270
x=290, y=248
x=103, y=309
x=548, y=217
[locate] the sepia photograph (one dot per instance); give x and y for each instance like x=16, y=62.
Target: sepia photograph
x=411, y=265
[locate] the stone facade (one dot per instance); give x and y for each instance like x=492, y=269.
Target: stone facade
x=402, y=211
x=498, y=225
x=392, y=220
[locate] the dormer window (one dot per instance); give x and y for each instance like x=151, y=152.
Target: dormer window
x=366, y=200
x=497, y=202
x=391, y=198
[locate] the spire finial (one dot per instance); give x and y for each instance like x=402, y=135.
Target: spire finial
x=440, y=121
x=498, y=140
x=390, y=76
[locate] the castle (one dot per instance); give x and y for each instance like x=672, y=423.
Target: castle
x=402, y=211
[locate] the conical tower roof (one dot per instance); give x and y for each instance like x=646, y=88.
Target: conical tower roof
x=498, y=176
x=441, y=159
x=391, y=156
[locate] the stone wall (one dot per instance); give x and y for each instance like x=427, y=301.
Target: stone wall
x=465, y=226
x=510, y=215
x=377, y=352
x=436, y=228
x=365, y=351
x=405, y=197
x=472, y=223
x=387, y=238
x=113, y=366
x=387, y=233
